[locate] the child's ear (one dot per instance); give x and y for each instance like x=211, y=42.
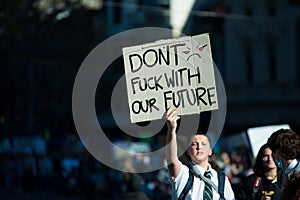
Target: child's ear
x=210, y=152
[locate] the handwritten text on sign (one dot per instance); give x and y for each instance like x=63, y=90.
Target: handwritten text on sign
x=175, y=72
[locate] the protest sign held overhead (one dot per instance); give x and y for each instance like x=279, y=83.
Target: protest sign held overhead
x=174, y=72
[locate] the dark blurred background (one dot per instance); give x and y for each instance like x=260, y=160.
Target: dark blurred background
x=255, y=46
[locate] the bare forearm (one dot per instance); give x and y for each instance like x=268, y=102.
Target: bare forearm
x=171, y=143
x=171, y=154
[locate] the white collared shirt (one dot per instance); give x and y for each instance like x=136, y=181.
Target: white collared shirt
x=292, y=167
x=196, y=192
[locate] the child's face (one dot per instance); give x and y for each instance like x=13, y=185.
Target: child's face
x=200, y=149
x=267, y=159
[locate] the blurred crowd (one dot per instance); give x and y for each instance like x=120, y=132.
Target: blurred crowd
x=73, y=173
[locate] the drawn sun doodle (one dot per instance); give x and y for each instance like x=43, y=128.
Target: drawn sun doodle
x=201, y=48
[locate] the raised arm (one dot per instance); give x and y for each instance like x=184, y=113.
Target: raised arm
x=174, y=164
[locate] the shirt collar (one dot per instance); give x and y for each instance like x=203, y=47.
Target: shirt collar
x=202, y=170
x=291, y=166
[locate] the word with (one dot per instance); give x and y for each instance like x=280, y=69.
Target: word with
x=177, y=77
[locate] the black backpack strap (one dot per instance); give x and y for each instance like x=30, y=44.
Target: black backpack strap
x=221, y=186
x=277, y=192
x=187, y=186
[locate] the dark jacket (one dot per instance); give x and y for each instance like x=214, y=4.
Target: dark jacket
x=247, y=190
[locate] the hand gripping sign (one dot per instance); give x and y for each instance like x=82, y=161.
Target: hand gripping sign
x=172, y=72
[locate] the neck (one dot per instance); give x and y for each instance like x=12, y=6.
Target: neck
x=271, y=174
x=204, y=165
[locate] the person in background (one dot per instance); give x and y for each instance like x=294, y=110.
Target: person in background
x=226, y=164
x=198, y=152
x=291, y=190
x=285, y=145
x=133, y=187
x=265, y=182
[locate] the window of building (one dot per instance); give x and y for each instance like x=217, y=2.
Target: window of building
x=248, y=10
x=271, y=48
x=298, y=49
x=271, y=6
x=117, y=12
x=294, y=2
x=248, y=59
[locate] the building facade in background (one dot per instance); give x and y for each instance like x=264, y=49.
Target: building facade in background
x=255, y=46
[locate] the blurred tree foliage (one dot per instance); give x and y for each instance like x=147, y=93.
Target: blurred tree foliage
x=42, y=43
x=25, y=18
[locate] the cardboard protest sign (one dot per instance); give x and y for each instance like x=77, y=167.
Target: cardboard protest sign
x=173, y=72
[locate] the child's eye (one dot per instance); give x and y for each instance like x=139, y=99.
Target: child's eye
x=194, y=144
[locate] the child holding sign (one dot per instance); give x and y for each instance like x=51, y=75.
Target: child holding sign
x=206, y=182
